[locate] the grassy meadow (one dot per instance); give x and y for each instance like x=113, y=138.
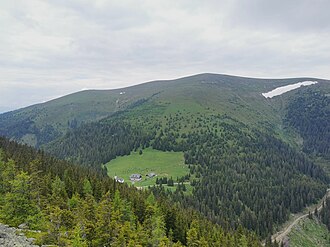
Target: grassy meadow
x=164, y=164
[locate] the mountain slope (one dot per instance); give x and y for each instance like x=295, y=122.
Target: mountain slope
x=240, y=168
x=245, y=163
x=309, y=233
x=68, y=205
x=238, y=96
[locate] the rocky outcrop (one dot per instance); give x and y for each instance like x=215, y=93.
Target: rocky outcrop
x=9, y=237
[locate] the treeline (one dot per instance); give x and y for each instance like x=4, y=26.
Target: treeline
x=96, y=143
x=76, y=206
x=309, y=114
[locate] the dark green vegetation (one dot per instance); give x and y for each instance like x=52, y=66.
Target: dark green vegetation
x=260, y=179
x=97, y=143
x=242, y=150
x=309, y=114
x=75, y=206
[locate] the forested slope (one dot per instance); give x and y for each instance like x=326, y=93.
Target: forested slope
x=309, y=114
x=239, y=174
x=76, y=206
x=97, y=143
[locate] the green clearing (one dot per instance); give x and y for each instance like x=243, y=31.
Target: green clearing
x=309, y=233
x=164, y=164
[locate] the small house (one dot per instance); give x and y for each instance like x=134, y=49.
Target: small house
x=151, y=175
x=135, y=177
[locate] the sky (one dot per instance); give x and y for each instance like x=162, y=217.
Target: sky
x=52, y=48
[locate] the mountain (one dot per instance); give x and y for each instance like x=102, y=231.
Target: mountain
x=237, y=96
x=250, y=160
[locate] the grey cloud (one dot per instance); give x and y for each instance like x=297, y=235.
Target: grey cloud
x=291, y=15
x=113, y=15
x=57, y=47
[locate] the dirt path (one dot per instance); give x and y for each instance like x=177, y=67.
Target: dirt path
x=281, y=235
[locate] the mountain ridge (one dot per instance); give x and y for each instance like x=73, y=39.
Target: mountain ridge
x=54, y=118
x=164, y=81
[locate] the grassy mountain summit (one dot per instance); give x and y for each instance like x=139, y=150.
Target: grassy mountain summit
x=238, y=97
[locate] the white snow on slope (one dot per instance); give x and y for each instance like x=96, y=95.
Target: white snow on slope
x=287, y=88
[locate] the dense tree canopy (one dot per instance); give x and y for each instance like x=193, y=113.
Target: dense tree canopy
x=78, y=206
x=240, y=175
x=309, y=114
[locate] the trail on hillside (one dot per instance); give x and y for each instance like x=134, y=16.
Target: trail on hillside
x=281, y=235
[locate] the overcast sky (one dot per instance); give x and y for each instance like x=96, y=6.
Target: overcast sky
x=52, y=48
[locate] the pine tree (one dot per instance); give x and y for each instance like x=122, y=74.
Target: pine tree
x=103, y=227
x=17, y=204
x=78, y=240
x=59, y=196
x=87, y=189
x=192, y=237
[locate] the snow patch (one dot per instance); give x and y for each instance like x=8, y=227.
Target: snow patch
x=284, y=89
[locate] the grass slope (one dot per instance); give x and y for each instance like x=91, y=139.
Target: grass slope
x=238, y=97
x=164, y=164
x=309, y=233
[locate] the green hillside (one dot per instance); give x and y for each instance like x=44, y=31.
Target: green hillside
x=236, y=96
x=245, y=163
